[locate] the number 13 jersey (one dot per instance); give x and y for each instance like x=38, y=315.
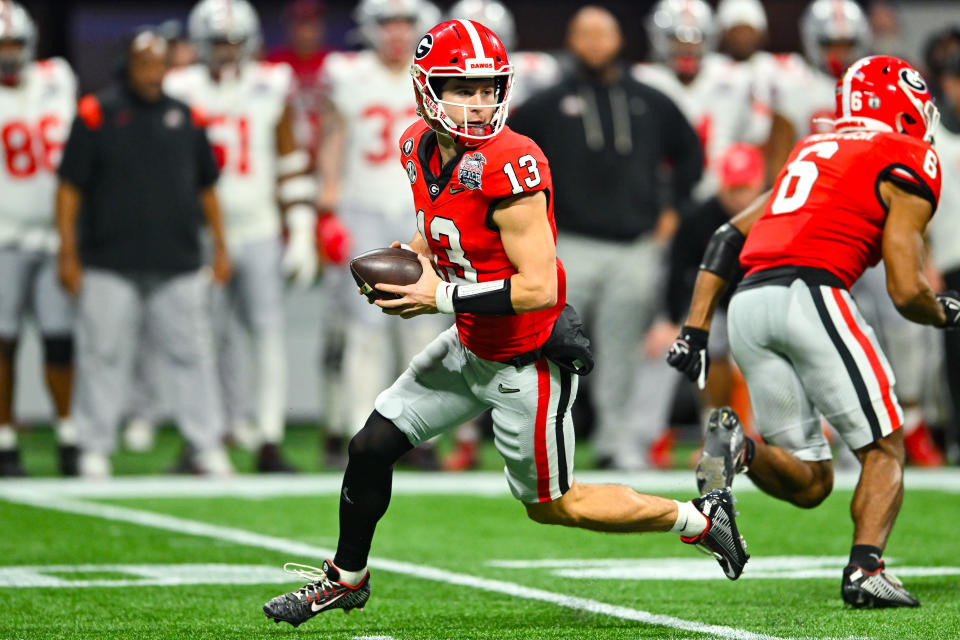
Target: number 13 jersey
x=825, y=209
x=455, y=206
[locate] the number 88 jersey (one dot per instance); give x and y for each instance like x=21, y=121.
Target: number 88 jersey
x=35, y=118
x=825, y=209
x=455, y=206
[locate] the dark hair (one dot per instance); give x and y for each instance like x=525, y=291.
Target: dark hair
x=937, y=50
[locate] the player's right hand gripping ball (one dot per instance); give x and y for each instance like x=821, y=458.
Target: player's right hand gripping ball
x=385, y=266
x=950, y=302
x=688, y=354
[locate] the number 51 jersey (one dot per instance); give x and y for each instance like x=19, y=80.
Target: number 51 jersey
x=455, y=206
x=35, y=119
x=825, y=209
x=241, y=114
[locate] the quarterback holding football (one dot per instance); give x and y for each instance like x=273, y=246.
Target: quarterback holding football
x=484, y=214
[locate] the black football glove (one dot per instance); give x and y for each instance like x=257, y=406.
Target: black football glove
x=688, y=354
x=950, y=302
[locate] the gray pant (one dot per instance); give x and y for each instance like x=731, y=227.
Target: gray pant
x=613, y=285
x=28, y=281
x=249, y=330
x=176, y=313
x=377, y=346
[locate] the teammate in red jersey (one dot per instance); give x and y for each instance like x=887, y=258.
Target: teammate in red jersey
x=483, y=195
x=843, y=202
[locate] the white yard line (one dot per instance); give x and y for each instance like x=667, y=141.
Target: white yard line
x=476, y=483
x=301, y=550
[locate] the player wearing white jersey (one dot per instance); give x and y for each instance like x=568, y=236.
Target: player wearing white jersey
x=716, y=94
x=370, y=104
x=743, y=32
x=245, y=105
x=834, y=33
x=37, y=104
x=533, y=71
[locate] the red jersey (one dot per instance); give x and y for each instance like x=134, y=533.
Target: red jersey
x=455, y=206
x=825, y=210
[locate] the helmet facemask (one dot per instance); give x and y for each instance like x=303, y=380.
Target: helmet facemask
x=429, y=89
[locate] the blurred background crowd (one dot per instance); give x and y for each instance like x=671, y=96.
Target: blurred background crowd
x=660, y=120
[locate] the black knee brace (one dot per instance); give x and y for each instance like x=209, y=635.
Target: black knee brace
x=58, y=350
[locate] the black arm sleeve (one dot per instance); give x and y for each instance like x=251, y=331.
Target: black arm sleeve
x=79, y=155
x=683, y=151
x=207, y=172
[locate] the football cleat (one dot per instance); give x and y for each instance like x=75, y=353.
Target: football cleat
x=68, y=460
x=721, y=537
x=323, y=593
x=877, y=589
x=271, y=460
x=724, y=448
x=10, y=466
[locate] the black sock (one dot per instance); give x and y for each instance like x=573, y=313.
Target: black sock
x=751, y=448
x=866, y=556
x=366, y=488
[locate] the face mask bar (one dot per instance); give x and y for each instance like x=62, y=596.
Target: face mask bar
x=927, y=110
x=500, y=106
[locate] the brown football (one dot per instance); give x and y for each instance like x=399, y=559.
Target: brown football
x=386, y=266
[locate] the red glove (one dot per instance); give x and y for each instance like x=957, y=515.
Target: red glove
x=333, y=238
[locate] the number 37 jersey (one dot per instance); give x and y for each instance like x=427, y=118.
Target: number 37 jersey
x=825, y=209
x=455, y=206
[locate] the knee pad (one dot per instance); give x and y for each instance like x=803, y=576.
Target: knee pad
x=58, y=351
x=379, y=440
x=8, y=347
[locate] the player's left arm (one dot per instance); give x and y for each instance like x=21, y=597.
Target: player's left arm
x=903, y=254
x=720, y=262
x=297, y=191
x=528, y=242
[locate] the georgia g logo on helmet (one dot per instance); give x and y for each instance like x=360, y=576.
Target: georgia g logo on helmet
x=467, y=50
x=913, y=79
x=423, y=48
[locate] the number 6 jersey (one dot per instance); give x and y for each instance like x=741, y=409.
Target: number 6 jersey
x=825, y=209
x=455, y=205
x=35, y=118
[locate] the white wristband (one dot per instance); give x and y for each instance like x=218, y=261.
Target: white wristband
x=301, y=217
x=444, y=297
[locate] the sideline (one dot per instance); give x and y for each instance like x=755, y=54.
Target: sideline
x=471, y=483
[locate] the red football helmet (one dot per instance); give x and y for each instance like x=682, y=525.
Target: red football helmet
x=460, y=49
x=884, y=93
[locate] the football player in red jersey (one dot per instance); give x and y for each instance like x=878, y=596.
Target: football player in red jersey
x=843, y=202
x=484, y=213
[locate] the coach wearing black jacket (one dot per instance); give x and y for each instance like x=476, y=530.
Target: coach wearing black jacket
x=610, y=142
x=136, y=183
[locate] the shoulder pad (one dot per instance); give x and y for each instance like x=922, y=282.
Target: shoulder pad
x=89, y=110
